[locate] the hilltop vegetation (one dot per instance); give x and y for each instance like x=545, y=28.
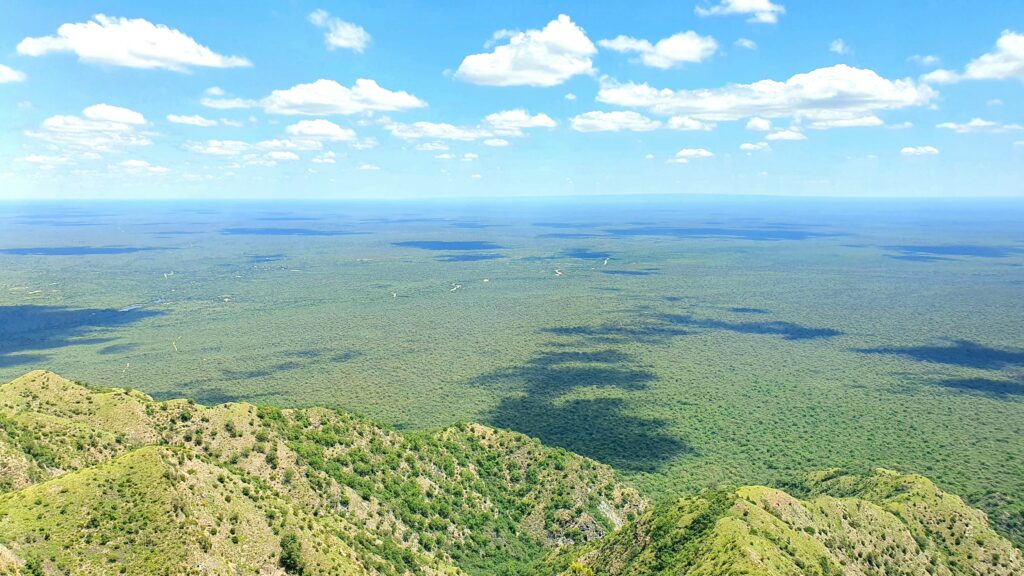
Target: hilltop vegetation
x=109, y=481
x=109, y=478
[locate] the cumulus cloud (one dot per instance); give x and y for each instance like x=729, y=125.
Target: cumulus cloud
x=101, y=128
x=667, y=52
x=512, y=122
x=838, y=46
x=219, y=147
x=686, y=123
x=8, y=74
x=285, y=155
x=369, y=167
x=327, y=97
x=979, y=125
x=496, y=142
x=927, y=60
x=320, y=130
x=545, y=57
x=195, y=120
x=758, y=124
x=757, y=11
x=133, y=43
x=919, y=151
x=755, y=146
x=570, y=97
x=746, y=44
x=432, y=146
x=340, y=34
x=790, y=134
x=507, y=123
x=836, y=92
x=436, y=130
x=1006, y=61
x=616, y=121
x=325, y=158
x=142, y=167
x=859, y=122
x=290, y=144
x=686, y=154
x=228, y=103
x=469, y=156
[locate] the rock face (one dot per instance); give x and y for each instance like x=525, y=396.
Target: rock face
x=109, y=481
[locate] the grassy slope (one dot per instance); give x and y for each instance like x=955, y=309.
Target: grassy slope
x=882, y=524
x=361, y=499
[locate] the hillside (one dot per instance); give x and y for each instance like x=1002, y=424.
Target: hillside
x=885, y=523
x=98, y=478
x=108, y=481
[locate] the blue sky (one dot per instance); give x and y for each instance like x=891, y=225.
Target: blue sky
x=445, y=99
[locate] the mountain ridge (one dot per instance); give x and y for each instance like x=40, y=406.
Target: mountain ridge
x=107, y=480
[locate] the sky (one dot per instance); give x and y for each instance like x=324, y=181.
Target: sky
x=405, y=99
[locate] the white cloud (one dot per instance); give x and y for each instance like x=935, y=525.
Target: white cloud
x=1006, y=61
x=979, y=125
x=444, y=156
x=326, y=97
x=282, y=155
x=219, y=147
x=320, y=130
x=685, y=123
x=475, y=176
x=369, y=167
x=570, y=96
x=104, y=128
x=831, y=93
x=340, y=34
x=117, y=114
x=45, y=161
x=759, y=124
x=919, y=151
x=901, y=126
x=508, y=123
x=546, y=57
x=290, y=144
x=228, y=103
x=613, y=122
x=686, y=154
x=195, y=120
x=941, y=77
x=667, y=52
x=512, y=122
x=926, y=60
x=134, y=43
x=746, y=44
x=497, y=142
x=141, y=166
x=364, y=144
x=755, y=146
x=839, y=47
x=8, y=74
x=325, y=158
x=759, y=11
x=790, y=134
x=861, y=122
x=432, y=146
x=214, y=91
x=649, y=157
x=435, y=130
x=469, y=157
